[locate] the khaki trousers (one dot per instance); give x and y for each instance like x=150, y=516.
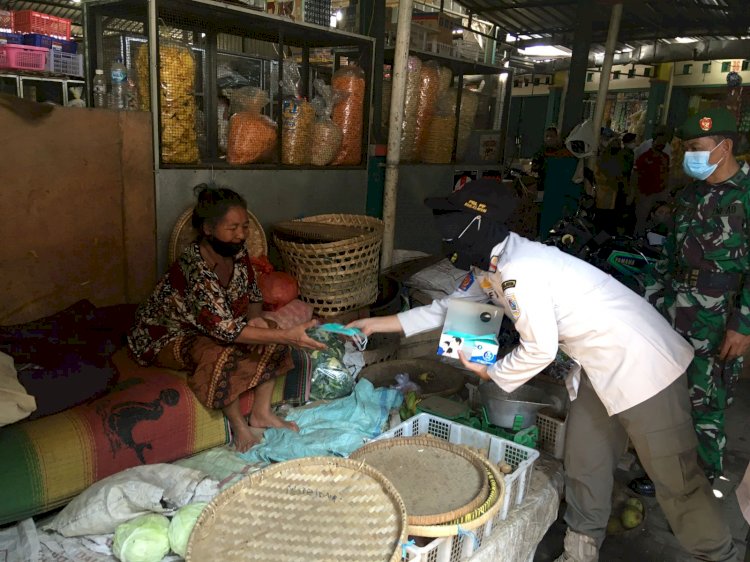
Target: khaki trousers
x=661, y=430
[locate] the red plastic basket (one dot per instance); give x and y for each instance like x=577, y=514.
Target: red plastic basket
x=6, y=19
x=29, y=21
x=23, y=57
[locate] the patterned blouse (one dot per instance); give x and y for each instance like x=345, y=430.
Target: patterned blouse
x=190, y=300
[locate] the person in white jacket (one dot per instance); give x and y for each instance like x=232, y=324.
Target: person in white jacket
x=631, y=384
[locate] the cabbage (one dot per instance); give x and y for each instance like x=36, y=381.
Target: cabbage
x=182, y=525
x=143, y=539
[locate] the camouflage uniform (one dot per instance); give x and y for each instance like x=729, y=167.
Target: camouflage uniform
x=701, y=287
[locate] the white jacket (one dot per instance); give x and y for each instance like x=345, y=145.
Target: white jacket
x=628, y=351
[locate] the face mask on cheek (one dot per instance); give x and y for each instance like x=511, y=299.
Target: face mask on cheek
x=695, y=163
x=225, y=249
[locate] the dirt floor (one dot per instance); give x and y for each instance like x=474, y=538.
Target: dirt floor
x=653, y=541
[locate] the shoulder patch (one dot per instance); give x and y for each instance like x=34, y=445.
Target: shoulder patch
x=515, y=309
x=509, y=284
x=467, y=282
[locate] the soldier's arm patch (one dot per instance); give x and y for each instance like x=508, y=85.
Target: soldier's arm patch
x=509, y=284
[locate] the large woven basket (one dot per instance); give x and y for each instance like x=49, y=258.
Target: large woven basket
x=335, y=277
x=183, y=234
x=315, y=509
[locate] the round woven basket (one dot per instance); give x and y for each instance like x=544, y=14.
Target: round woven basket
x=440, y=482
x=315, y=509
x=445, y=380
x=183, y=234
x=336, y=277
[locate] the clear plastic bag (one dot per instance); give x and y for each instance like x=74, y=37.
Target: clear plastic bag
x=404, y=384
x=429, y=89
x=227, y=77
x=330, y=378
x=298, y=122
x=327, y=136
x=247, y=98
x=411, y=101
x=252, y=137
x=291, y=79
x=438, y=145
x=179, y=142
x=348, y=113
x=469, y=107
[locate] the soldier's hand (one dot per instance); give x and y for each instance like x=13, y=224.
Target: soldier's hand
x=734, y=345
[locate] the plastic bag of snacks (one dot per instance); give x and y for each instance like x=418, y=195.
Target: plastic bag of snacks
x=438, y=146
x=429, y=86
x=252, y=136
x=446, y=78
x=179, y=144
x=298, y=123
x=326, y=134
x=469, y=106
x=411, y=101
x=348, y=113
x=330, y=378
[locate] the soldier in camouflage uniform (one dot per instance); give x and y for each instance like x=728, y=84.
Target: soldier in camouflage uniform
x=702, y=284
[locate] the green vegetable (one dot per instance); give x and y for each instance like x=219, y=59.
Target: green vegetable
x=182, y=525
x=330, y=377
x=143, y=539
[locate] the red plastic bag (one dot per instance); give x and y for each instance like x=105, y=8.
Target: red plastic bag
x=278, y=288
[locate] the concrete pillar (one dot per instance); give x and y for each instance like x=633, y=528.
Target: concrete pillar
x=573, y=108
x=553, y=105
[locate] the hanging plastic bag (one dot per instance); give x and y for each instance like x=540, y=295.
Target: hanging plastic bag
x=327, y=136
x=580, y=141
x=298, y=123
x=429, y=88
x=291, y=79
x=227, y=77
x=348, y=113
x=252, y=136
x=330, y=378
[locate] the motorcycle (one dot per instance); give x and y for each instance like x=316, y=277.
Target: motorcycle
x=626, y=258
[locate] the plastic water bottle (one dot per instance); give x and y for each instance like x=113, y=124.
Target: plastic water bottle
x=118, y=80
x=100, y=89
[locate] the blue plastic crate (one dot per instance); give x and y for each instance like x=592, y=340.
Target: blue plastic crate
x=11, y=38
x=39, y=40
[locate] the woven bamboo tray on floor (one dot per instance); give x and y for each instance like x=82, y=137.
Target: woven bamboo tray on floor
x=315, y=509
x=439, y=482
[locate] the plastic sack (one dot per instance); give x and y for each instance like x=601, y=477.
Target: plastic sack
x=580, y=141
x=291, y=79
x=182, y=525
x=252, y=138
x=330, y=378
x=405, y=385
x=278, y=288
x=348, y=113
x=179, y=143
x=327, y=135
x=227, y=77
x=429, y=88
x=298, y=124
x=411, y=101
x=143, y=539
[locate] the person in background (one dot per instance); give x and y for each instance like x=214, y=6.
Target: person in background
x=659, y=130
x=552, y=148
x=702, y=283
x=632, y=384
x=204, y=317
x=652, y=176
x=610, y=183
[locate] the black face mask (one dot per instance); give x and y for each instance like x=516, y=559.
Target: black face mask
x=469, y=239
x=225, y=249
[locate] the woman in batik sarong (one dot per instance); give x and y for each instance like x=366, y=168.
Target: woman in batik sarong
x=204, y=317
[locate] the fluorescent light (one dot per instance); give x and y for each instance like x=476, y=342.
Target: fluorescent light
x=510, y=38
x=685, y=39
x=333, y=21
x=544, y=51
x=339, y=15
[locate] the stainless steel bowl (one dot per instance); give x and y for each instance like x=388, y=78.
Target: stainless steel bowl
x=502, y=407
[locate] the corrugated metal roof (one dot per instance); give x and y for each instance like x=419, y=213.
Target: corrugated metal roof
x=643, y=20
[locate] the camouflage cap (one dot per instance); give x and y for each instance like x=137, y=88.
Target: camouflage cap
x=707, y=123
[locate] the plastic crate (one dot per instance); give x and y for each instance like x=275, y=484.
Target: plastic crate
x=6, y=19
x=551, y=434
x=23, y=57
x=522, y=459
x=39, y=40
x=29, y=21
x=69, y=64
x=498, y=450
x=12, y=38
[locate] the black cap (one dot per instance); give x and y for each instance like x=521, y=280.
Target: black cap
x=484, y=197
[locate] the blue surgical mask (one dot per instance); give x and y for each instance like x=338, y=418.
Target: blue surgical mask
x=695, y=163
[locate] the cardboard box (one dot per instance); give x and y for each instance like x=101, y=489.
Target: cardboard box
x=471, y=328
x=442, y=24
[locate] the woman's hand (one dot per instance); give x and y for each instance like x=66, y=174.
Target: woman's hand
x=377, y=324
x=477, y=368
x=296, y=336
